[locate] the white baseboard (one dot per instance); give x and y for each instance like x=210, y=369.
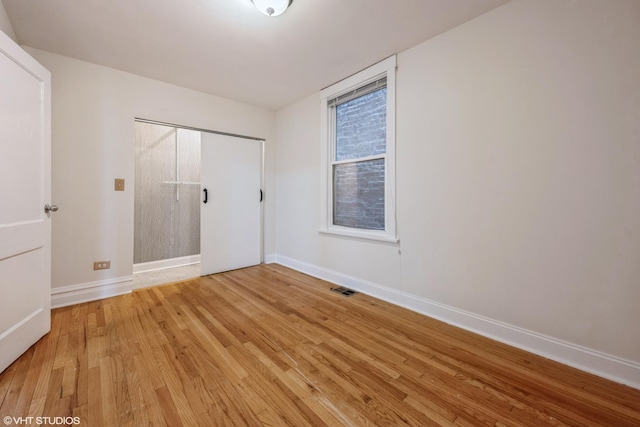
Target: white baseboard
x=270, y=258
x=75, y=294
x=165, y=263
x=586, y=359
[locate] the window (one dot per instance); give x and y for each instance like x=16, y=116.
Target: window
x=358, y=122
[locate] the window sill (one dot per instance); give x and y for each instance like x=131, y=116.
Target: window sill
x=367, y=235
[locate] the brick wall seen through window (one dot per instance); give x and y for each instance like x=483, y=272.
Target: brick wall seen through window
x=359, y=190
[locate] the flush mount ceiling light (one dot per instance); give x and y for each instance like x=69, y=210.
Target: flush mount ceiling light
x=272, y=7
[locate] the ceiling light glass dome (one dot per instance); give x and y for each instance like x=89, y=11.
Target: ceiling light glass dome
x=272, y=7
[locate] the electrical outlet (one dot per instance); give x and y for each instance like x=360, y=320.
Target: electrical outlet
x=102, y=265
x=119, y=184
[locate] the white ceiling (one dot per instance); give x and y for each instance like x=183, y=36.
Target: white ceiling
x=228, y=48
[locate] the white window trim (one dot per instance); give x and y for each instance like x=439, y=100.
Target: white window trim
x=386, y=67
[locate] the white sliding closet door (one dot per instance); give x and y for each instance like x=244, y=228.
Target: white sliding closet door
x=230, y=220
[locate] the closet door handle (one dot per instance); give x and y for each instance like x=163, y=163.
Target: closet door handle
x=206, y=196
x=261, y=195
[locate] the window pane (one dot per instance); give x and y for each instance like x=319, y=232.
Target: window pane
x=361, y=126
x=358, y=196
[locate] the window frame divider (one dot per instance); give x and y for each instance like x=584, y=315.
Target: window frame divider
x=360, y=159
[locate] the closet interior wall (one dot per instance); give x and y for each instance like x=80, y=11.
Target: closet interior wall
x=167, y=193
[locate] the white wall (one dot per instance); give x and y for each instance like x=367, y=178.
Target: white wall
x=298, y=205
x=518, y=182
x=93, y=138
x=5, y=24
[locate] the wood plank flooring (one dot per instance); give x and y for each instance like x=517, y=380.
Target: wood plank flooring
x=270, y=346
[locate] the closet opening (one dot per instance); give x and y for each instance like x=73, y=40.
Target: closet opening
x=166, y=204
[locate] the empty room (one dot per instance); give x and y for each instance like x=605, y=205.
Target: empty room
x=309, y=213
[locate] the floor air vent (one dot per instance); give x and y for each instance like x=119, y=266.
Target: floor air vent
x=344, y=291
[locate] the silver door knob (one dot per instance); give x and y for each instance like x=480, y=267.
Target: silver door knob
x=50, y=208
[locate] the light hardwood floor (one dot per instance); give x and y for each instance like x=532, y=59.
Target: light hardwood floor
x=269, y=346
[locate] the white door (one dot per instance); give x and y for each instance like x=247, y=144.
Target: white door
x=230, y=220
x=25, y=187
